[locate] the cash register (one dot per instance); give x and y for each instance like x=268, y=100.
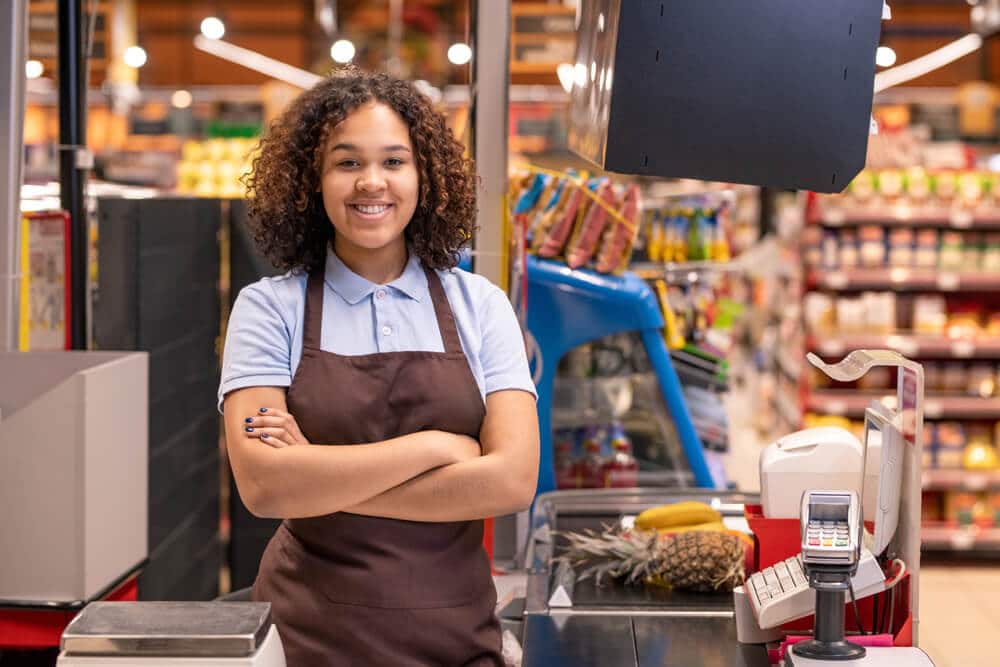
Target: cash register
x=840, y=483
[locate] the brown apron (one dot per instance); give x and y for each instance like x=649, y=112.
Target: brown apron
x=347, y=589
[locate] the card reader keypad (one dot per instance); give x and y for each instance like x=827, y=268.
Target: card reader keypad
x=828, y=534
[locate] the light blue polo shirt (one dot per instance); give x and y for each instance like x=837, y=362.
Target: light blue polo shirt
x=264, y=336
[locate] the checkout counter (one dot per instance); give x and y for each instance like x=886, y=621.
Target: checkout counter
x=559, y=621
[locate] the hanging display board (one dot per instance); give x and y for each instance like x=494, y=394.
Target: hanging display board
x=775, y=93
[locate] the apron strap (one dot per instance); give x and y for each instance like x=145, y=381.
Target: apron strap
x=445, y=317
x=312, y=323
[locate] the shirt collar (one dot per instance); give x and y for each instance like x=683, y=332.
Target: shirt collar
x=353, y=288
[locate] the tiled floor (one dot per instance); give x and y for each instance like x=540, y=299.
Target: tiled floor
x=960, y=614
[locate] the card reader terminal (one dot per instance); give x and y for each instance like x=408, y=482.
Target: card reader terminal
x=830, y=528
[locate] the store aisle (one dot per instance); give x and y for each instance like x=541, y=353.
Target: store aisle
x=960, y=614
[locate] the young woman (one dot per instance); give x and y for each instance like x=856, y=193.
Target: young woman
x=376, y=398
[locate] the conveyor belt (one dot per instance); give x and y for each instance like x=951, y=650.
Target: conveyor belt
x=630, y=626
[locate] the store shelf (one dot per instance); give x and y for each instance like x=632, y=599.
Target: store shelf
x=903, y=279
x=905, y=215
x=851, y=403
x=958, y=479
x=787, y=409
x=959, y=538
x=908, y=345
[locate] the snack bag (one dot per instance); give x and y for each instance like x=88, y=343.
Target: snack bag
x=616, y=246
x=587, y=234
x=564, y=219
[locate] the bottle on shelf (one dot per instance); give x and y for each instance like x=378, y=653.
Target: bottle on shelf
x=589, y=469
x=565, y=465
x=621, y=470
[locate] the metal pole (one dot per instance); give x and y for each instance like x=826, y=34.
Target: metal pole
x=14, y=26
x=490, y=36
x=73, y=160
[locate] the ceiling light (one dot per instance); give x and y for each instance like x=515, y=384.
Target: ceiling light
x=213, y=28
x=33, y=69
x=135, y=56
x=459, y=54
x=885, y=56
x=181, y=99
x=342, y=51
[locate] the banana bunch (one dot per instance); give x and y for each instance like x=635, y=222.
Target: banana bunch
x=684, y=517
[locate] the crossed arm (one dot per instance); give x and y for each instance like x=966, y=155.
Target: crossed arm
x=426, y=476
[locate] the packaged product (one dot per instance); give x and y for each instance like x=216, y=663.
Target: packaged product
x=972, y=252
x=918, y=184
x=945, y=185
x=933, y=377
x=549, y=214
x=929, y=449
x=871, y=246
x=880, y=377
x=655, y=238
x=546, y=202
x=811, y=242
x=955, y=377
x=890, y=183
x=963, y=320
x=587, y=234
x=992, y=503
x=991, y=253
x=926, y=253
x=993, y=324
x=880, y=312
x=931, y=510
x=901, y=247
x=681, y=221
x=848, y=249
x=862, y=187
x=851, y=315
x=929, y=314
x=697, y=241
x=563, y=218
x=950, y=443
x=819, y=312
x=970, y=188
x=982, y=381
x=951, y=256
x=616, y=245
x=830, y=257
x=960, y=507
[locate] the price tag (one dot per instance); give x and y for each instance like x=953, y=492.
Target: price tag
x=963, y=349
x=961, y=218
x=832, y=348
x=836, y=280
x=948, y=281
x=933, y=409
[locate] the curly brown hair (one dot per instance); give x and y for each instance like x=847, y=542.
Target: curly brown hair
x=287, y=218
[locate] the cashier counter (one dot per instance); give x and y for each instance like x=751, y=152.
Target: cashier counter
x=551, y=620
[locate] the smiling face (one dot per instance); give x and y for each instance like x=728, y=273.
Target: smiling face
x=370, y=183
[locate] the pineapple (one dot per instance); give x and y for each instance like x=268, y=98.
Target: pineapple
x=697, y=561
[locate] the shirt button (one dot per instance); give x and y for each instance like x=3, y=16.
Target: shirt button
x=386, y=331
x=380, y=294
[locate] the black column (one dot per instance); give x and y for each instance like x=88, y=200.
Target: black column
x=73, y=134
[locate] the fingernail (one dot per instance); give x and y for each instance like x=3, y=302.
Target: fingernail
x=249, y=420
x=264, y=436
x=263, y=409
x=249, y=429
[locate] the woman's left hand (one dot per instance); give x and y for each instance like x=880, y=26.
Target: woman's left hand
x=275, y=428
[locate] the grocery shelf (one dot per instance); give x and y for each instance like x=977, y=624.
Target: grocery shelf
x=959, y=538
x=915, y=345
x=900, y=278
x=851, y=403
x=960, y=479
x=787, y=409
x=904, y=215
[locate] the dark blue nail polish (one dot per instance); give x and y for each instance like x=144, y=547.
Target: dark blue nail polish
x=263, y=409
x=249, y=420
x=249, y=429
x=264, y=435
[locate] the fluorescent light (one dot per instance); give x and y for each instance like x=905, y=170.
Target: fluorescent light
x=181, y=99
x=948, y=53
x=885, y=56
x=33, y=69
x=342, y=51
x=135, y=56
x=213, y=28
x=257, y=62
x=459, y=54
